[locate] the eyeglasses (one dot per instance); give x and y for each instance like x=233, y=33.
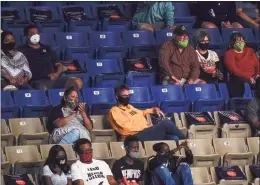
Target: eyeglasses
x=85, y=151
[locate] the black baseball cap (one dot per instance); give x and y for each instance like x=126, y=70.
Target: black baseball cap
x=180, y=30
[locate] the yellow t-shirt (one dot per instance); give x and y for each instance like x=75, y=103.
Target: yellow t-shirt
x=127, y=120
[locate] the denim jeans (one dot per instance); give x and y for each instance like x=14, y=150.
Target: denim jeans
x=165, y=130
x=162, y=174
x=71, y=137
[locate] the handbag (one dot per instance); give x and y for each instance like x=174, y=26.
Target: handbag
x=199, y=118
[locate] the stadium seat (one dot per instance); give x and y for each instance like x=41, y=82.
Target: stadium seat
x=203, y=152
x=108, y=80
x=26, y=159
x=253, y=146
x=141, y=97
x=134, y=78
x=170, y=98
x=79, y=53
x=7, y=12
x=176, y=119
x=162, y=36
x=250, y=177
x=108, y=44
x=7, y=138
x=5, y=165
x=148, y=146
x=235, y=103
x=204, y=97
x=201, y=176
x=199, y=131
x=19, y=3
x=52, y=3
x=257, y=31
x=44, y=121
x=55, y=96
x=247, y=32
x=34, y=103
x=101, y=152
x=118, y=150
x=8, y=107
x=233, y=151
x=66, y=40
x=71, y=155
x=140, y=43
x=28, y=131
x=182, y=13
x=239, y=130
x=99, y=99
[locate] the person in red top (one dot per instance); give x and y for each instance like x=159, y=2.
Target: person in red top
x=241, y=61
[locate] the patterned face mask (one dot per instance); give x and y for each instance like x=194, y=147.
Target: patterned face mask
x=239, y=46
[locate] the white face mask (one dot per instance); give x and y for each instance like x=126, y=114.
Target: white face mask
x=35, y=39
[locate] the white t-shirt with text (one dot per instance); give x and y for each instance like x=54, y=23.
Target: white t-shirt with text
x=92, y=174
x=56, y=179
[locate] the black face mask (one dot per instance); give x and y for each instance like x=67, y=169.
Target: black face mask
x=204, y=46
x=61, y=161
x=8, y=46
x=124, y=100
x=164, y=157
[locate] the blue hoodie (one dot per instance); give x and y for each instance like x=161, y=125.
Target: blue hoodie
x=151, y=12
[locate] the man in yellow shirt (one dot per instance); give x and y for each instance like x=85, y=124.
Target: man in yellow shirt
x=127, y=120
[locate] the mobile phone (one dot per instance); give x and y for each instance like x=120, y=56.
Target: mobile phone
x=76, y=108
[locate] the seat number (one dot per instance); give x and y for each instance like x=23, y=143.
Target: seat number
x=102, y=36
x=164, y=90
x=198, y=89
x=123, y=147
x=169, y=34
x=192, y=144
x=22, y=123
x=99, y=64
x=131, y=91
x=93, y=120
x=28, y=95
x=96, y=92
x=61, y=93
x=19, y=151
x=135, y=35
x=69, y=37
x=226, y=143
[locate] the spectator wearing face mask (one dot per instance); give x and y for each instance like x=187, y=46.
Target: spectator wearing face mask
x=252, y=112
x=89, y=171
x=69, y=121
x=178, y=60
x=15, y=69
x=56, y=170
x=127, y=120
x=129, y=170
x=154, y=15
x=208, y=59
x=241, y=61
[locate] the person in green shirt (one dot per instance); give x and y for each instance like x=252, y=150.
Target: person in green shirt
x=154, y=15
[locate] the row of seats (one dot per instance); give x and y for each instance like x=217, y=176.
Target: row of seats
x=206, y=97
x=26, y=131
x=223, y=151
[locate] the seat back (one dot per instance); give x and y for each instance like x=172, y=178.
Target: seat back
x=55, y=16
x=4, y=128
x=181, y=9
x=100, y=151
x=100, y=122
x=30, y=97
x=140, y=94
x=200, y=175
x=200, y=91
x=229, y=145
x=55, y=96
x=140, y=78
x=28, y=153
x=139, y=38
x=253, y=145
x=99, y=95
x=247, y=32
x=5, y=11
x=148, y=145
x=71, y=155
x=71, y=39
x=167, y=92
x=6, y=99
x=200, y=146
x=80, y=54
x=118, y=150
x=162, y=36
x=215, y=37
x=105, y=39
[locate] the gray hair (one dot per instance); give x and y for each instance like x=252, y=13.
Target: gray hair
x=199, y=36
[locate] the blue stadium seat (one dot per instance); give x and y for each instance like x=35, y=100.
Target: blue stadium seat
x=9, y=10
x=101, y=100
x=141, y=98
x=88, y=5
x=204, y=97
x=141, y=43
x=108, y=44
x=84, y=77
x=171, y=98
x=140, y=78
x=236, y=103
x=257, y=33
x=216, y=41
x=8, y=107
x=34, y=103
x=247, y=32
x=80, y=54
x=162, y=36
x=21, y=4
x=55, y=96
x=105, y=72
x=67, y=39
x=52, y=3
x=182, y=13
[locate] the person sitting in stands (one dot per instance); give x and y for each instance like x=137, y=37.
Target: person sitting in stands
x=15, y=69
x=69, y=121
x=127, y=120
x=248, y=14
x=154, y=15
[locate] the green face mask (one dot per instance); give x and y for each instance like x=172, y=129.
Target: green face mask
x=239, y=46
x=183, y=44
x=72, y=104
